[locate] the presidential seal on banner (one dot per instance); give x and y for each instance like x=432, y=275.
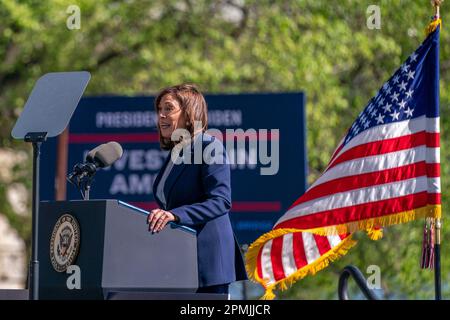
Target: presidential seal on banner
x=65, y=242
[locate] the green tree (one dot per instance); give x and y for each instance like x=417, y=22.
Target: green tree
x=321, y=47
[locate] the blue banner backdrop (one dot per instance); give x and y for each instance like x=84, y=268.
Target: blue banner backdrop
x=258, y=200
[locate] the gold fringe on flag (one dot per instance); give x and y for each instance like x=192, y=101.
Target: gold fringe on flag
x=312, y=268
x=433, y=25
x=430, y=211
x=371, y=226
x=375, y=233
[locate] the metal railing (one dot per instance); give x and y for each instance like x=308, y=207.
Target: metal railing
x=360, y=281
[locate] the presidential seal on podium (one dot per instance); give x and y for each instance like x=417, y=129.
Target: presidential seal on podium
x=64, y=243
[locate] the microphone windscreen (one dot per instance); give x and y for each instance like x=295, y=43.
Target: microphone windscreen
x=91, y=154
x=107, y=154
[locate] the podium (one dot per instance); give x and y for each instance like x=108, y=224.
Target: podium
x=102, y=248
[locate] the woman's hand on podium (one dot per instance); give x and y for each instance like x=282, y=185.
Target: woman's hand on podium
x=158, y=218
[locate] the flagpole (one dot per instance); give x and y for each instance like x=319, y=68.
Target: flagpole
x=437, y=260
x=438, y=223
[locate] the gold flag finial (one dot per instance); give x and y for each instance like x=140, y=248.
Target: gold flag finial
x=436, y=20
x=436, y=4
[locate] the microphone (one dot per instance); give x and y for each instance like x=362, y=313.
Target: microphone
x=105, y=154
x=101, y=156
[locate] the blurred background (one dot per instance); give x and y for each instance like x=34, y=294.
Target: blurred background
x=323, y=48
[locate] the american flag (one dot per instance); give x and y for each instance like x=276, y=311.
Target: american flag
x=385, y=171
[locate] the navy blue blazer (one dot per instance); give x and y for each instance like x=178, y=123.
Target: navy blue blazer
x=200, y=195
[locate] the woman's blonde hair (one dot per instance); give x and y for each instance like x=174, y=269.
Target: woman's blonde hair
x=193, y=106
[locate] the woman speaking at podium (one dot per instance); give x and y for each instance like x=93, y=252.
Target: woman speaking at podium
x=194, y=193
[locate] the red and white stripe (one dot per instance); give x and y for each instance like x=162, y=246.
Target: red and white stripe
x=282, y=256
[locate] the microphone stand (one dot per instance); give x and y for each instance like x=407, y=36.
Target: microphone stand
x=83, y=182
x=87, y=188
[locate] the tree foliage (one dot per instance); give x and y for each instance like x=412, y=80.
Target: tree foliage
x=321, y=47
